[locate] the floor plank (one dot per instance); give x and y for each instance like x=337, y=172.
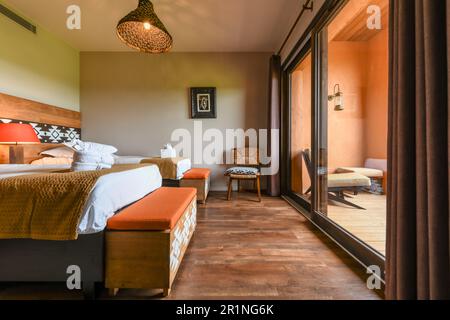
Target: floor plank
x=368, y=225
x=243, y=249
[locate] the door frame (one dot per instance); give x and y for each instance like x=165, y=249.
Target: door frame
x=287, y=126
x=311, y=42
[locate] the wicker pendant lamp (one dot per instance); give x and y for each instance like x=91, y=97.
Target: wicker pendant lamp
x=142, y=30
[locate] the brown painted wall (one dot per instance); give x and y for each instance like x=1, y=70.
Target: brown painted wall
x=134, y=101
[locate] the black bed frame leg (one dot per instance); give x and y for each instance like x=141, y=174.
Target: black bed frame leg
x=89, y=290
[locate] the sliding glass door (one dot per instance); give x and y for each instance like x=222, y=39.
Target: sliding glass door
x=300, y=128
x=337, y=133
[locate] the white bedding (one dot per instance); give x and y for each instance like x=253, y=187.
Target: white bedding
x=11, y=170
x=128, y=159
x=111, y=193
x=182, y=166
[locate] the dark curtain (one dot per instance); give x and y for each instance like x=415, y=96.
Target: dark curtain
x=273, y=184
x=418, y=255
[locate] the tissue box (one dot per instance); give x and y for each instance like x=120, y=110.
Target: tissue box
x=168, y=153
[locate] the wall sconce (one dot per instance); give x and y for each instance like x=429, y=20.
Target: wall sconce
x=338, y=98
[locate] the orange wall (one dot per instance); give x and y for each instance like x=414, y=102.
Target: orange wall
x=376, y=111
x=301, y=124
x=360, y=131
x=346, y=135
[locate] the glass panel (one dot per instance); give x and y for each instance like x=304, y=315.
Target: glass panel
x=301, y=127
x=353, y=121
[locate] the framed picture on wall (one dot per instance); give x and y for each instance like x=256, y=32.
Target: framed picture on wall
x=203, y=103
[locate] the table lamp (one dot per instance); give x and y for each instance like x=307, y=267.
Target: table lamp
x=15, y=135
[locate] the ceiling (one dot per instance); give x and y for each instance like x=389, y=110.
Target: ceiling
x=196, y=25
x=351, y=23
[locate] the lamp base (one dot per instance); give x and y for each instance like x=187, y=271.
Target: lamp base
x=16, y=155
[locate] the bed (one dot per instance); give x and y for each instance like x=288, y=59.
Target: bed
x=31, y=260
x=172, y=169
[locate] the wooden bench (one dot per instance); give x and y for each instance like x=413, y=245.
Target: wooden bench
x=146, y=242
x=199, y=179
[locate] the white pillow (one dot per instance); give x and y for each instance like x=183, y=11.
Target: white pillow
x=59, y=152
x=91, y=147
x=89, y=157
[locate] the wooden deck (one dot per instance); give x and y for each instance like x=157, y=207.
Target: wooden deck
x=243, y=249
x=368, y=225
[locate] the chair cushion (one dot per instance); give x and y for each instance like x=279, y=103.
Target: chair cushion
x=371, y=173
x=242, y=171
x=158, y=211
x=350, y=180
x=197, y=174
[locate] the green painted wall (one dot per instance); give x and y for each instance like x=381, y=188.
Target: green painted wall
x=38, y=67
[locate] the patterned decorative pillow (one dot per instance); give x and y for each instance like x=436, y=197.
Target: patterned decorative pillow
x=59, y=152
x=242, y=171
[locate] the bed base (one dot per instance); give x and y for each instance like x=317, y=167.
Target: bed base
x=25, y=260
x=171, y=183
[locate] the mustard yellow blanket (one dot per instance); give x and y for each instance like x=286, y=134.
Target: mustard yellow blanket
x=47, y=206
x=167, y=166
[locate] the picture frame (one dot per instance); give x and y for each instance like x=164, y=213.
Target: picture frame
x=203, y=103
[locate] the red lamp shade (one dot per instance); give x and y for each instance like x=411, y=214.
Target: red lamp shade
x=17, y=133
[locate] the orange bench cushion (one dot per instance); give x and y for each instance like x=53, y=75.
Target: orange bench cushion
x=197, y=174
x=158, y=211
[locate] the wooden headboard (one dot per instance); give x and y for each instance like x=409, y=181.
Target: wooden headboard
x=53, y=125
x=31, y=111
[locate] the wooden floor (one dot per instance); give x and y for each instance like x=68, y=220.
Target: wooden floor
x=368, y=225
x=243, y=249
